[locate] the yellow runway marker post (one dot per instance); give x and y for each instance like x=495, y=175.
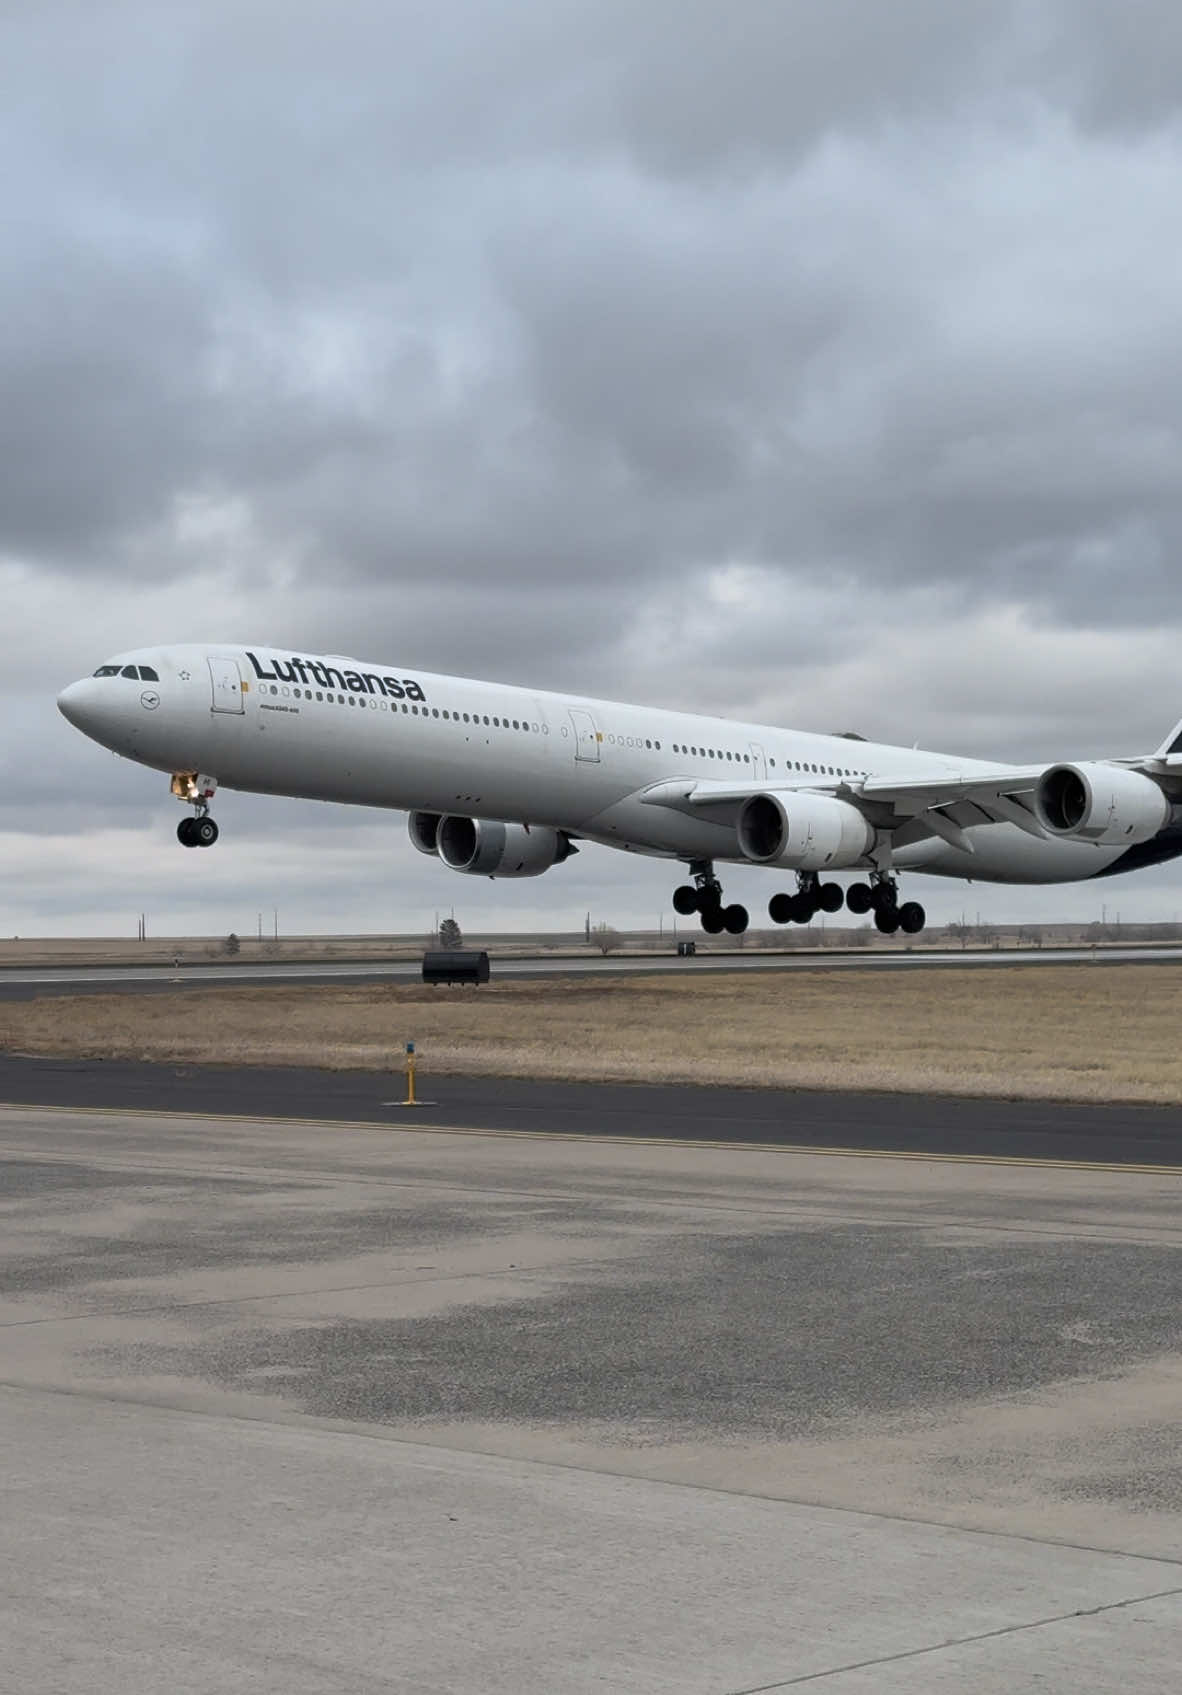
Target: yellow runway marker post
x=411, y=1097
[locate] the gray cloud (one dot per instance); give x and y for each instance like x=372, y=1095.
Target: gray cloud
x=750, y=362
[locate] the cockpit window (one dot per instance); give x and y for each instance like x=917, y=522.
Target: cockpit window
x=147, y=675
x=130, y=671
x=107, y=671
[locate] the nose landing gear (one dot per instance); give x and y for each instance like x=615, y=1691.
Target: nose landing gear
x=197, y=832
x=197, y=791
x=704, y=896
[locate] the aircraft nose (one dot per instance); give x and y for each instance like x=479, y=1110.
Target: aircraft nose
x=76, y=703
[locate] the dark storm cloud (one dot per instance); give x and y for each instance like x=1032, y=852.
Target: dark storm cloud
x=593, y=292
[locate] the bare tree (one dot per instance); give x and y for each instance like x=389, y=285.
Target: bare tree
x=605, y=938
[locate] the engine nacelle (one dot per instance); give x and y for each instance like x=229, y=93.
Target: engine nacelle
x=484, y=849
x=807, y=832
x=1103, y=804
x=423, y=828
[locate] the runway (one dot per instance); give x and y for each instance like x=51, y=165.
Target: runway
x=24, y=982
x=310, y=1408
x=925, y=1125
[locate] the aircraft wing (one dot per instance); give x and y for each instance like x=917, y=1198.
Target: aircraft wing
x=911, y=808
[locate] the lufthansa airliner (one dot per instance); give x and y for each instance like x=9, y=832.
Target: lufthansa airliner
x=505, y=782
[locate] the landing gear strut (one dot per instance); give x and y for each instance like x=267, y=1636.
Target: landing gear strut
x=704, y=896
x=812, y=896
x=889, y=916
x=197, y=791
x=879, y=896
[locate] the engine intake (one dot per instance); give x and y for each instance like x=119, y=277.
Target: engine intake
x=423, y=828
x=807, y=832
x=1103, y=804
x=484, y=849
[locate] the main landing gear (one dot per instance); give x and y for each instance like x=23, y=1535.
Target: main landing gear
x=704, y=896
x=197, y=790
x=879, y=896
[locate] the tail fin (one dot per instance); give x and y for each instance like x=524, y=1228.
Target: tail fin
x=1171, y=748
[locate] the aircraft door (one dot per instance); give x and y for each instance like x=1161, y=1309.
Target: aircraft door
x=226, y=684
x=758, y=761
x=587, y=737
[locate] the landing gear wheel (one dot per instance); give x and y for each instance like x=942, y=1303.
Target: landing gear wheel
x=205, y=832
x=886, y=920
x=712, y=921
x=734, y=919
x=779, y=908
x=186, y=832
x=803, y=909
x=685, y=900
x=831, y=897
x=912, y=918
x=859, y=897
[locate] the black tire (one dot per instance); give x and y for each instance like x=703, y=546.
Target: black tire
x=886, y=920
x=186, y=832
x=831, y=897
x=859, y=897
x=804, y=910
x=912, y=918
x=735, y=920
x=779, y=909
x=712, y=921
x=685, y=899
x=205, y=832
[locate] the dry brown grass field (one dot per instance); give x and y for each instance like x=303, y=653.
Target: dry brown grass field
x=1084, y=1032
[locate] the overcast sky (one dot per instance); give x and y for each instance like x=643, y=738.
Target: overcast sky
x=819, y=364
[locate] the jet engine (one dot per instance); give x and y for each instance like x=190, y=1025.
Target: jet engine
x=424, y=831
x=807, y=832
x=484, y=849
x=1103, y=804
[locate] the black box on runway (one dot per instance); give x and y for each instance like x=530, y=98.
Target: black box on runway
x=455, y=967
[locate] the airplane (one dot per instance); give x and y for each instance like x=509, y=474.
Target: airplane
x=505, y=782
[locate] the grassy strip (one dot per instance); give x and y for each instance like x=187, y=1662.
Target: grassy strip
x=1087, y=1032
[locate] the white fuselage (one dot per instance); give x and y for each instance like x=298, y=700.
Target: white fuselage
x=332, y=729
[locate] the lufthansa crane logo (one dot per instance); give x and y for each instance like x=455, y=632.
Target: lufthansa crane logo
x=149, y=700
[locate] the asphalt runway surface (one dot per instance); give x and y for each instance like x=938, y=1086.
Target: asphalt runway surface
x=869, y=1123
x=27, y=982
x=330, y=1410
